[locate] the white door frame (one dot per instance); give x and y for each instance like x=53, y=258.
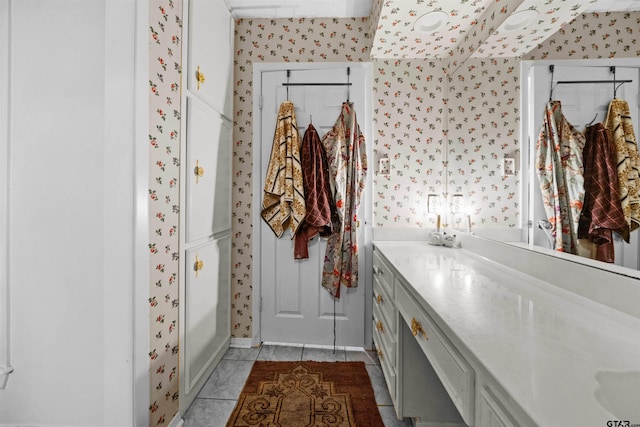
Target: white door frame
x=366, y=112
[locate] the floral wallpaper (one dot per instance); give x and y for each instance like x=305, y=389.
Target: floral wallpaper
x=408, y=105
x=482, y=28
x=594, y=36
x=374, y=16
x=165, y=35
x=552, y=15
x=396, y=38
x=470, y=27
x=471, y=112
x=483, y=128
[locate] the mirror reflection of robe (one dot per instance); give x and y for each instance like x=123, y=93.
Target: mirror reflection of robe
x=602, y=212
x=559, y=169
x=619, y=122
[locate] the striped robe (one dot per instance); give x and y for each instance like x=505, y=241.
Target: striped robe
x=283, y=205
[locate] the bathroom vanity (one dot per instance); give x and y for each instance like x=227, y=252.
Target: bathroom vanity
x=475, y=336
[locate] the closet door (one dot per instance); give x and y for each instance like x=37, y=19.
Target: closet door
x=208, y=164
x=208, y=304
x=205, y=205
x=210, y=54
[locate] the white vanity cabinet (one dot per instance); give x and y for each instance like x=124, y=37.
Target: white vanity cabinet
x=480, y=342
x=492, y=412
x=431, y=376
x=385, y=320
x=205, y=193
x=455, y=376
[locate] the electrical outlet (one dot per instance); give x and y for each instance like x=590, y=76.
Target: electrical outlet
x=457, y=203
x=384, y=166
x=508, y=166
x=433, y=203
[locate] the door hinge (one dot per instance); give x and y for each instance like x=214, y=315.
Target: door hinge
x=260, y=101
x=260, y=305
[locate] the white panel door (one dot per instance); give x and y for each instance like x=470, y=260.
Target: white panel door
x=207, y=300
x=208, y=165
x=581, y=104
x=210, y=52
x=295, y=307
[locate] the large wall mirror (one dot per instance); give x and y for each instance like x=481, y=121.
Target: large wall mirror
x=584, y=88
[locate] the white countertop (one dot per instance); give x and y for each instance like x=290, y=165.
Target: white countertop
x=565, y=360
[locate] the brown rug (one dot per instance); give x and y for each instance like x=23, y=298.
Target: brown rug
x=313, y=394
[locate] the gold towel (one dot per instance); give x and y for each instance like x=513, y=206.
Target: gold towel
x=283, y=205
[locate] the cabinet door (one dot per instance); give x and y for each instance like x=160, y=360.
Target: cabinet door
x=210, y=52
x=208, y=166
x=206, y=306
x=492, y=412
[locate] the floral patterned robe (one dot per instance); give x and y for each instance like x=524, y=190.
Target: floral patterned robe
x=344, y=146
x=560, y=173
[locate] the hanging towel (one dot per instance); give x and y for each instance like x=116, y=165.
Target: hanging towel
x=559, y=169
x=283, y=203
x=344, y=146
x=602, y=211
x=317, y=190
x=619, y=123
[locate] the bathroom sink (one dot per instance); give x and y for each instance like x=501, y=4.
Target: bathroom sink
x=619, y=394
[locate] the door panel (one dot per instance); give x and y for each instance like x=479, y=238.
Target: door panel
x=210, y=51
x=208, y=171
x=295, y=307
x=207, y=301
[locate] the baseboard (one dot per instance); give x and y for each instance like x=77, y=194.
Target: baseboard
x=177, y=421
x=417, y=423
x=241, y=343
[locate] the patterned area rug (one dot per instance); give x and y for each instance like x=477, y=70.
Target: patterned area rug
x=307, y=394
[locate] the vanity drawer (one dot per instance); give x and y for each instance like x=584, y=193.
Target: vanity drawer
x=383, y=274
x=455, y=373
x=388, y=368
x=387, y=339
x=383, y=301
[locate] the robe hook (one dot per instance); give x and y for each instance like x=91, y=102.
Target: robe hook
x=551, y=70
x=348, y=83
x=288, y=75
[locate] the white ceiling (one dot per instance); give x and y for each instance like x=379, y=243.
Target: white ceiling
x=359, y=8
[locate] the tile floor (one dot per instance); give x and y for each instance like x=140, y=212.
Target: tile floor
x=218, y=397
